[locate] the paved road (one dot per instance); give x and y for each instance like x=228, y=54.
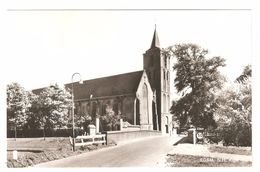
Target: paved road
x=145, y=152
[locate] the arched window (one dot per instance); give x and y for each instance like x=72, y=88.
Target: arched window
x=169, y=59
x=137, y=111
x=94, y=110
x=165, y=62
x=145, y=116
x=164, y=103
x=104, y=109
x=115, y=107
x=169, y=103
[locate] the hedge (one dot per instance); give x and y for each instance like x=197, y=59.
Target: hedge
x=31, y=133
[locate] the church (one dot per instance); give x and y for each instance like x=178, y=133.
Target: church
x=142, y=97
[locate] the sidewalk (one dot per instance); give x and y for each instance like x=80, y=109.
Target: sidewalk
x=202, y=150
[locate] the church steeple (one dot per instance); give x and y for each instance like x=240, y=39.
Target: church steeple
x=157, y=67
x=155, y=41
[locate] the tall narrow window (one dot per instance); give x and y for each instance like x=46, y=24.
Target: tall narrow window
x=115, y=107
x=165, y=62
x=169, y=103
x=164, y=103
x=94, y=110
x=137, y=111
x=145, y=115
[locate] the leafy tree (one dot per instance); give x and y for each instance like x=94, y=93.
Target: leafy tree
x=17, y=106
x=197, y=79
x=109, y=120
x=82, y=120
x=33, y=112
x=234, y=113
x=247, y=73
x=52, y=107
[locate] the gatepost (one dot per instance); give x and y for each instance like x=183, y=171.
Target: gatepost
x=97, y=125
x=192, y=135
x=15, y=155
x=91, y=130
x=121, y=124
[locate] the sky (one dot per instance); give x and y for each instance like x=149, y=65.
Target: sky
x=46, y=47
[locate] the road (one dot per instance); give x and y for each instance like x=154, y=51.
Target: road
x=142, y=153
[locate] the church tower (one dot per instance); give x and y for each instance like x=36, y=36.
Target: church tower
x=157, y=67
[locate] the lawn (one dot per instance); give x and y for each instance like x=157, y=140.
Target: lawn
x=231, y=150
x=33, y=151
x=178, y=160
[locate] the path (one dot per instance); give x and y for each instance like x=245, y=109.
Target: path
x=202, y=150
x=145, y=152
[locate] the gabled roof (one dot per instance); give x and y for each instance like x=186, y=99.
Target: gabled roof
x=155, y=41
x=107, y=86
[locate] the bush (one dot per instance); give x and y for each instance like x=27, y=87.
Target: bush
x=237, y=135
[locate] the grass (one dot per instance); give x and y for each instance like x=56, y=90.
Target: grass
x=177, y=160
x=39, y=143
x=32, y=151
x=231, y=150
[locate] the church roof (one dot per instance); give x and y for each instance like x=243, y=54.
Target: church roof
x=106, y=86
x=155, y=41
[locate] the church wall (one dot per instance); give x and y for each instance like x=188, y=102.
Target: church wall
x=122, y=105
x=155, y=78
x=145, y=96
x=128, y=109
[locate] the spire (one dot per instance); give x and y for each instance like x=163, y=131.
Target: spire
x=155, y=41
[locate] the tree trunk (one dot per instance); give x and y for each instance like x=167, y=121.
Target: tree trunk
x=43, y=133
x=15, y=134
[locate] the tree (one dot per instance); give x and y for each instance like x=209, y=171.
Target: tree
x=110, y=120
x=234, y=113
x=197, y=78
x=33, y=112
x=83, y=120
x=17, y=106
x=247, y=72
x=52, y=107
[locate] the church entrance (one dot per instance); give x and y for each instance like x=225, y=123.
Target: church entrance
x=155, y=118
x=166, y=129
x=137, y=111
x=167, y=125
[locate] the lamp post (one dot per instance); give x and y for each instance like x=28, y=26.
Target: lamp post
x=72, y=112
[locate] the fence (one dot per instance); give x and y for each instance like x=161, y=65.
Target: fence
x=89, y=140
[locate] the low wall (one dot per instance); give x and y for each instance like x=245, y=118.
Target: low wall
x=118, y=137
x=132, y=128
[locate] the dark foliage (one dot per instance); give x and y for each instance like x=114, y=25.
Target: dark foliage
x=197, y=78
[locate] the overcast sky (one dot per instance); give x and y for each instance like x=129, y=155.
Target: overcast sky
x=47, y=47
